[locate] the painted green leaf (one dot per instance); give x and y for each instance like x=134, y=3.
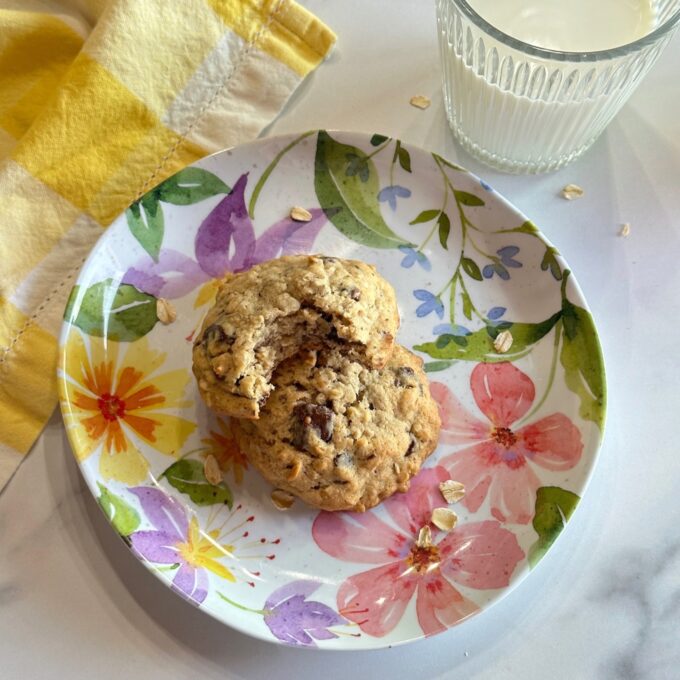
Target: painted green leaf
x=444, y=228
x=471, y=268
x=581, y=357
x=123, y=517
x=468, y=199
x=146, y=223
x=187, y=476
x=350, y=200
x=404, y=157
x=527, y=227
x=554, y=507
x=467, y=305
x=425, y=216
x=435, y=366
x=118, y=312
x=377, y=140
x=480, y=347
x=549, y=261
x=449, y=164
x=190, y=185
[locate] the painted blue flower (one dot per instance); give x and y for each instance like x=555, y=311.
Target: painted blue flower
x=391, y=193
x=451, y=329
x=495, y=268
x=412, y=256
x=485, y=185
x=496, y=313
x=507, y=254
x=431, y=303
x=357, y=166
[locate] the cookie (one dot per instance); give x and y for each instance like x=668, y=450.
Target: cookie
x=272, y=311
x=339, y=435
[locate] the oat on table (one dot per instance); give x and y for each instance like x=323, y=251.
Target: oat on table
x=341, y=436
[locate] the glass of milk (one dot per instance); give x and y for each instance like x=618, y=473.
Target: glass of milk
x=530, y=84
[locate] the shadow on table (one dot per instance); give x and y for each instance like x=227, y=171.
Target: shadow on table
x=193, y=642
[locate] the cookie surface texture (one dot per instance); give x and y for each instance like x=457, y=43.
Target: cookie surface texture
x=339, y=435
x=270, y=312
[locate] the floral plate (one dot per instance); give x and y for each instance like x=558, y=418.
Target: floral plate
x=520, y=429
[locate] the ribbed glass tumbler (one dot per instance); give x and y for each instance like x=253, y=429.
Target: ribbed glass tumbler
x=526, y=109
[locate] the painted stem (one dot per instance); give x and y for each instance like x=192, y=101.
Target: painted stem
x=270, y=168
x=263, y=612
x=551, y=375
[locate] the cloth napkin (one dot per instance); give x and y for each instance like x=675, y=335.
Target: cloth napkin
x=100, y=100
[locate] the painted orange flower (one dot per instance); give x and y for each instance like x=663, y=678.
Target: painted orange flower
x=121, y=404
x=226, y=451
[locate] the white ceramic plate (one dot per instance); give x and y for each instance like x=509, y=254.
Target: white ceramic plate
x=520, y=429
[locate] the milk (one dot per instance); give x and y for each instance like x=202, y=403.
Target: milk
x=569, y=25
x=525, y=113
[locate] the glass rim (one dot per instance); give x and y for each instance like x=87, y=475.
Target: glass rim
x=560, y=55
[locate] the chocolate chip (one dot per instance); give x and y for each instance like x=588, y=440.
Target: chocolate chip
x=325, y=258
x=404, y=376
x=411, y=447
x=311, y=416
x=214, y=339
x=353, y=292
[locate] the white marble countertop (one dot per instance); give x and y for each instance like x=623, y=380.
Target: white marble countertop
x=605, y=602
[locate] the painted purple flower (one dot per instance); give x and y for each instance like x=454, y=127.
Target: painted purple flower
x=295, y=620
x=174, y=275
x=391, y=193
x=226, y=239
x=412, y=256
x=179, y=543
x=507, y=254
x=431, y=303
x=496, y=313
x=289, y=237
x=485, y=185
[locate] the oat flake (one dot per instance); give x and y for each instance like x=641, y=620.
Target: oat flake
x=444, y=518
x=281, y=499
x=452, y=491
x=571, y=192
x=420, y=101
x=424, y=537
x=300, y=214
x=503, y=342
x=211, y=470
x=165, y=311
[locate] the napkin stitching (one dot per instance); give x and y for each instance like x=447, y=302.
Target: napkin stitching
x=237, y=64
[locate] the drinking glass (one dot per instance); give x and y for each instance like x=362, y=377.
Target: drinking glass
x=522, y=108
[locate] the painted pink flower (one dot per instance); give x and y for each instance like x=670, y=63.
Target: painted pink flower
x=481, y=555
x=501, y=462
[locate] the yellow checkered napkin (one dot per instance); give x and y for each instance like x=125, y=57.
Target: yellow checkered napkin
x=97, y=105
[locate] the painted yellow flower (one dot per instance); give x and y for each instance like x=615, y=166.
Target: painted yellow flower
x=119, y=403
x=207, y=293
x=226, y=451
x=201, y=550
